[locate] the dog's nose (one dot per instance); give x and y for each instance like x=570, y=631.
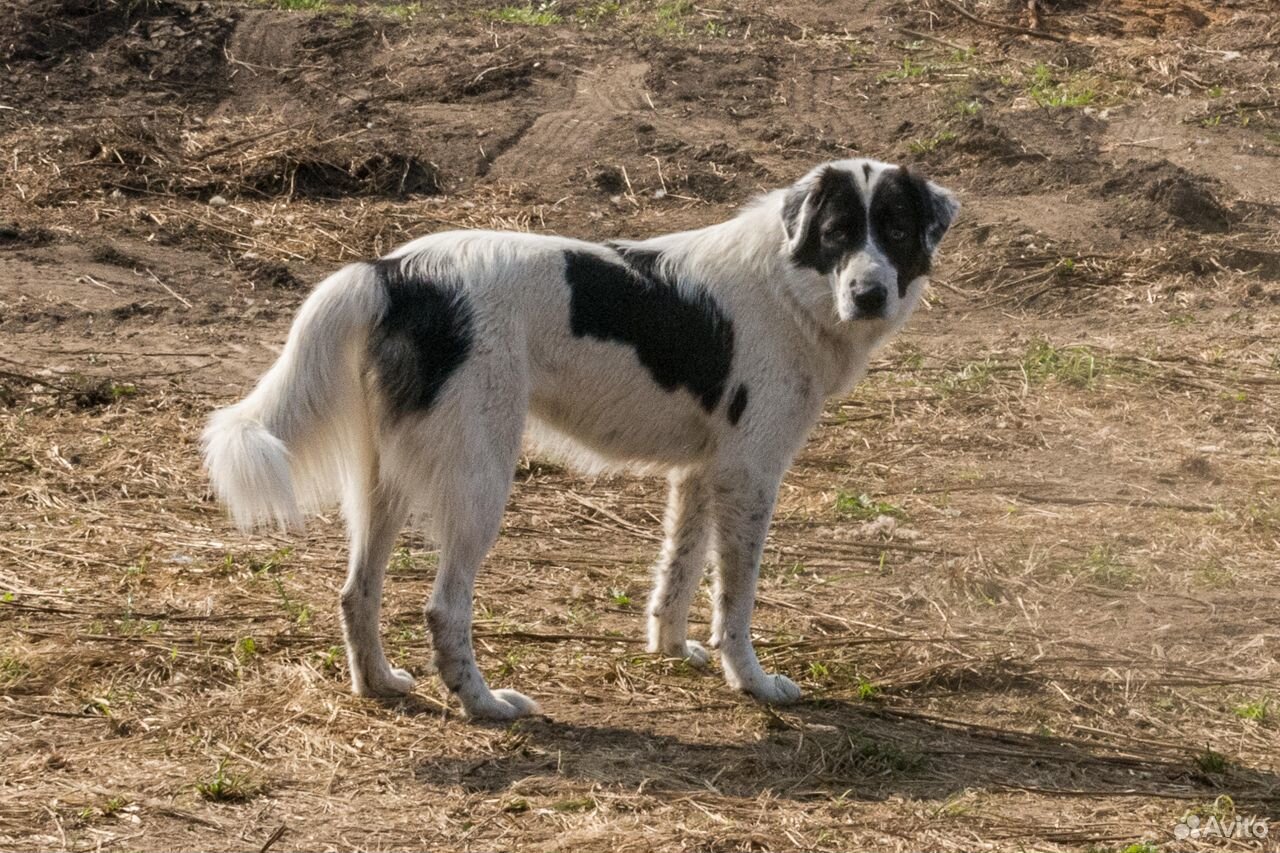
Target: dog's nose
x=871, y=301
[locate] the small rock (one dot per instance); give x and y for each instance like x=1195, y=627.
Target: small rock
x=218, y=201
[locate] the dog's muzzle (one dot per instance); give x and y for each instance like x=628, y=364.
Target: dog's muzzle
x=870, y=301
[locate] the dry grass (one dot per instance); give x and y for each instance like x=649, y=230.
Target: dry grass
x=971, y=663
x=1025, y=573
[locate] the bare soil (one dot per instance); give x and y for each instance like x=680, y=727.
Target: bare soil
x=1027, y=572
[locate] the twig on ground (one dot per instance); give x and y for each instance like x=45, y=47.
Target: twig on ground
x=1010, y=28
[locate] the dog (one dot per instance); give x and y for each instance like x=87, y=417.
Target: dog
x=407, y=383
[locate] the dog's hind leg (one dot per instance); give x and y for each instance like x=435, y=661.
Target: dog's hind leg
x=468, y=514
x=743, y=506
x=374, y=519
x=679, y=568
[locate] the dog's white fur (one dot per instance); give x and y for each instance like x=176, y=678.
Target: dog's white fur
x=314, y=431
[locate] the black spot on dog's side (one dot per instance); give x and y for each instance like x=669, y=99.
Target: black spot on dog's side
x=682, y=339
x=421, y=341
x=838, y=226
x=901, y=213
x=737, y=405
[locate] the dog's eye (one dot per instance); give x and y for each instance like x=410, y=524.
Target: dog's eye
x=897, y=235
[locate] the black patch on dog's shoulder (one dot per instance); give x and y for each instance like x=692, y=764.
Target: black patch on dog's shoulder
x=901, y=214
x=737, y=405
x=684, y=341
x=838, y=226
x=643, y=261
x=421, y=341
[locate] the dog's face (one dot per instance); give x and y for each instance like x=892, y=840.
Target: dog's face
x=871, y=229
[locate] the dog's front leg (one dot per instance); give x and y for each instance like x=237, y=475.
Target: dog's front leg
x=679, y=568
x=743, y=507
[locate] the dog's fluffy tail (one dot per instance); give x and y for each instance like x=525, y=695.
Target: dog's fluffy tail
x=292, y=444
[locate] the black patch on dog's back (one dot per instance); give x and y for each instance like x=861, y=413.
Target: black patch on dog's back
x=900, y=217
x=684, y=341
x=737, y=405
x=838, y=226
x=421, y=341
x=643, y=261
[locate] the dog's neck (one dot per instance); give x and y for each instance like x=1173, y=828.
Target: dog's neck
x=841, y=351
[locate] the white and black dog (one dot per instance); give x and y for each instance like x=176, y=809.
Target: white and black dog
x=406, y=385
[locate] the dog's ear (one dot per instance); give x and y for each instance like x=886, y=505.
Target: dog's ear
x=800, y=209
x=942, y=208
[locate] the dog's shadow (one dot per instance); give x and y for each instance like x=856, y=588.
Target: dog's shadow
x=852, y=750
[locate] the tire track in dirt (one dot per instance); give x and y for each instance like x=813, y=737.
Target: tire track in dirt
x=807, y=92
x=558, y=139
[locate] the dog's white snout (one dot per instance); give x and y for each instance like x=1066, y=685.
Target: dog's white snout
x=864, y=286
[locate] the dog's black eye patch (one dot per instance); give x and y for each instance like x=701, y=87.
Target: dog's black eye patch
x=899, y=219
x=421, y=341
x=838, y=225
x=683, y=340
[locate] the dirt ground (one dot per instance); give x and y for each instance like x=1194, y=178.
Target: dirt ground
x=1026, y=573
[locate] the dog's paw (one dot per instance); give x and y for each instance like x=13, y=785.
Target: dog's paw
x=696, y=654
x=690, y=651
x=395, y=682
x=773, y=690
x=503, y=705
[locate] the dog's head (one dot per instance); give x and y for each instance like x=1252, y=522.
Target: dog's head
x=871, y=229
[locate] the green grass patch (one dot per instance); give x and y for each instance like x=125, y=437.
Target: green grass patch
x=1262, y=515
x=12, y=671
x=908, y=70
x=972, y=378
x=298, y=611
x=401, y=11
x=860, y=507
x=924, y=146
x=541, y=15
x=594, y=13
x=269, y=564
x=672, y=17
x=1258, y=711
x=866, y=690
x=1075, y=366
x=226, y=786
x=330, y=658
x=404, y=562
x=1103, y=567
x=245, y=649
x=1047, y=91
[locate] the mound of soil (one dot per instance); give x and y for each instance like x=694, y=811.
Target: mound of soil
x=386, y=174
x=51, y=30
x=264, y=272
x=119, y=45
x=1162, y=193
x=16, y=236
